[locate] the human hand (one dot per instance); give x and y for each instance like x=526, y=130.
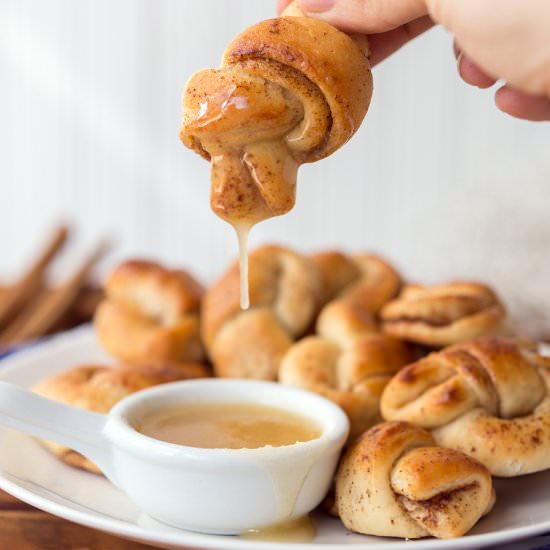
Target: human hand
x=494, y=40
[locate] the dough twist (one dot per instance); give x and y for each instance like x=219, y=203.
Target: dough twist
x=284, y=298
x=489, y=398
x=443, y=315
x=393, y=481
x=357, y=287
x=150, y=314
x=290, y=90
x=348, y=361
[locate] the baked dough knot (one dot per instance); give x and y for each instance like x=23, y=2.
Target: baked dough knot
x=394, y=481
x=284, y=299
x=150, y=314
x=446, y=314
x=355, y=287
x=289, y=90
x=349, y=361
x=489, y=398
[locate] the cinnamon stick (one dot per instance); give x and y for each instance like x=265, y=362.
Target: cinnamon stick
x=14, y=297
x=41, y=314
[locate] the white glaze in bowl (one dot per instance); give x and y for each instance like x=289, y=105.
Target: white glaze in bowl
x=223, y=491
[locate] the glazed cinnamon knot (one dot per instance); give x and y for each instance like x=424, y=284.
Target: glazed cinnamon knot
x=290, y=90
x=395, y=482
x=349, y=361
x=150, y=314
x=284, y=298
x=443, y=315
x=489, y=398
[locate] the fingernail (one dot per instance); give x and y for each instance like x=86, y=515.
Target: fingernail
x=459, y=57
x=461, y=61
x=456, y=50
x=316, y=6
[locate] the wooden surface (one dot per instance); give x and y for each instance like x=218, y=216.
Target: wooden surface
x=23, y=527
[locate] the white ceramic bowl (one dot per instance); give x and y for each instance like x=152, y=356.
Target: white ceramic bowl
x=223, y=491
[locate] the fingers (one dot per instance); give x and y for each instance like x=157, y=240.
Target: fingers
x=365, y=16
x=384, y=44
x=521, y=105
x=392, y=23
x=281, y=5
x=509, y=100
x=469, y=71
x=472, y=74
x=508, y=39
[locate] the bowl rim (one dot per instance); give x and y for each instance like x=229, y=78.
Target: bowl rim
x=333, y=423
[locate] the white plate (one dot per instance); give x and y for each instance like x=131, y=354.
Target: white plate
x=30, y=473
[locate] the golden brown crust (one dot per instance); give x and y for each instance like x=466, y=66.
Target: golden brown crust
x=308, y=46
x=393, y=481
x=443, y=315
x=337, y=270
x=367, y=280
x=271, y=107
x=294, y=10
x=489, y=398
x=179, y=291
x=284, y=297
x=353, y=377
x=150, y=313
x=98, y=388
x=251, y=345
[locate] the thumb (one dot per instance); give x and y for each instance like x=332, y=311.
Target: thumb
x=365, y=16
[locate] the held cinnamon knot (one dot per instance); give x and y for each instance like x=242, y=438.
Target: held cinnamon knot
x=443, y=315
x=150, y=314
x=290, y=90
x=489, y=398
x=393, y=481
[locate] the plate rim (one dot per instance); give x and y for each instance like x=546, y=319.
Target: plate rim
x=190, y=539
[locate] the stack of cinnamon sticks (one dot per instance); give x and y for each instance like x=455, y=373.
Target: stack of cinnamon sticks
x=32, y=307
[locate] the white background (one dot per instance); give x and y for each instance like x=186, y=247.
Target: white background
x=436, y=179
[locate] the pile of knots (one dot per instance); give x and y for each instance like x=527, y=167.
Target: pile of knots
x=440, y=393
